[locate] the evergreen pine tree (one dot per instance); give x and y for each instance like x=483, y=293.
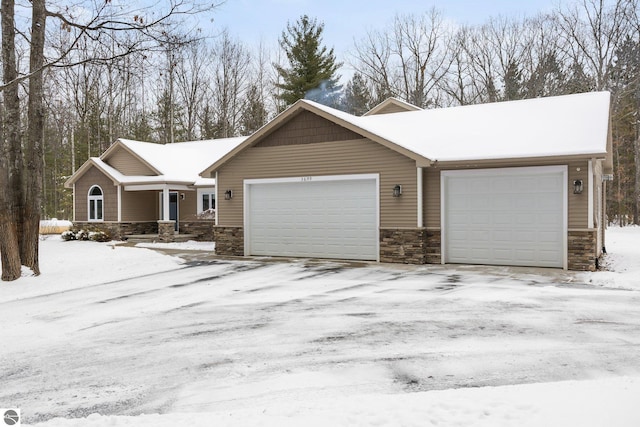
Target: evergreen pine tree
x=357, y=96
x=312, y=67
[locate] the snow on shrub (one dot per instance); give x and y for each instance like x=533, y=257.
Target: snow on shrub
x=96, y=236
x=68, y=235
x=99, y=236
x=208, y=214
x=82, y=235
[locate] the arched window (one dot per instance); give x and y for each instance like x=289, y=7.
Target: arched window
x=96, y=204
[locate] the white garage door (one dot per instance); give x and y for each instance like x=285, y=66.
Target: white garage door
x=320, y=217
x=512, y=216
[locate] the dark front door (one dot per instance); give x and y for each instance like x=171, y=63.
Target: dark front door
x=173, y=208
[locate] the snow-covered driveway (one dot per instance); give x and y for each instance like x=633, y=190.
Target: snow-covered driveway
x=222, y=334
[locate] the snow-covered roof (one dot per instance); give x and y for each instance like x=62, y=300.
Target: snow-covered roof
x=540, y=127
x=177, y=163
x=560, y=126
x=390, y=103
x=183, y=160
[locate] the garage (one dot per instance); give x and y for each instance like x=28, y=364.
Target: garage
x=508, y=216
x=313, y=216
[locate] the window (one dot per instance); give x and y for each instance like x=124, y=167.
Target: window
x=96, y=204
x=208, y=201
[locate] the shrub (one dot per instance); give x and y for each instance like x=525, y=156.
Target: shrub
x=68, y=235
x=100, y=236
x=82, y=235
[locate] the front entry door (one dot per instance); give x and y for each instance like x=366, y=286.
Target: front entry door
x=173, y=207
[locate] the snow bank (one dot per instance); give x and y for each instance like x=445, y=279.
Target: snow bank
x=593, y=403
x=74, y=264
x=621, y=263
x=190, y=245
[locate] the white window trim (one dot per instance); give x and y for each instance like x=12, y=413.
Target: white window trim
x=91, y=198
x=203, y=191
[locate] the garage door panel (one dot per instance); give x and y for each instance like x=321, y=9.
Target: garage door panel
x=511, y=217
x=325, y=218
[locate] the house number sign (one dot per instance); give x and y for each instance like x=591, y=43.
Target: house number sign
x=306, y=178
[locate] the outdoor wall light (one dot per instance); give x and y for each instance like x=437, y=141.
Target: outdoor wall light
x=397, y=190
x=228, y=195
x=182, y=196
x=577, y=186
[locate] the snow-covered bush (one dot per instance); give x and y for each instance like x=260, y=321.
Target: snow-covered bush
x=68, y=235
x=99, y=236
x=96, y=236
x=82, y=235
x=208, y=214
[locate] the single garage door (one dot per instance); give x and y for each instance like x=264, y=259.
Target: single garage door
x=511, y=216
x=320, y=217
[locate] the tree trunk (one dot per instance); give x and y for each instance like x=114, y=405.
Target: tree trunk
x=636, y=192
x=34, y=165
x=10, y=161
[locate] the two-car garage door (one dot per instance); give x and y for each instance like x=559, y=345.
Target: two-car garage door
x=510, y=216
x=320, y=217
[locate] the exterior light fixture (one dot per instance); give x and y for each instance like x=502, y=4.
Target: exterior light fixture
x=228, y=195
x=397, y=190
x=577, y=186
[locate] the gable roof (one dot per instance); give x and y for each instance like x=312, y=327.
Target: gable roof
x=177, y=163
x=570, y=125
x=390, y=103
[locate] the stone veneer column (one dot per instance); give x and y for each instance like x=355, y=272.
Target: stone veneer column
x=582, y=250
x=434, y=247
x=400, y=245
x=166, y=231
x=229, y=240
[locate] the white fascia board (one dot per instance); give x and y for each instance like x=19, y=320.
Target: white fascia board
x=157, y=187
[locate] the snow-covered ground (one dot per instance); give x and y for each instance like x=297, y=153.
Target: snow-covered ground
x=110, y=333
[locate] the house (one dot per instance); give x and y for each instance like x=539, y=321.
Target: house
x=512, y=183
x=136, y=187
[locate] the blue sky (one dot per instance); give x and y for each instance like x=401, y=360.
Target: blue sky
x=346, y=20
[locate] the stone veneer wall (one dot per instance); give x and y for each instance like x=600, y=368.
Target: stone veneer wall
x=229, y=240
x=434, y=247
x=202, y=230
x=166, y=231
x=582, y=250
x=118, y=230
x=403, y=245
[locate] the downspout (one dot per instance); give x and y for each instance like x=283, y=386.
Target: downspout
x=217, y=200
x=119, y=203
x=420, y=198
x=74, y=201
x=590, y=194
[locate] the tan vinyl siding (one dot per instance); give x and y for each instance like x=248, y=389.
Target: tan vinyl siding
x=140, y=205
x=392, y=108
x=93, y=177
x=127, y=164
x=577, y=203
x=330, y=158
x=307, y=128
x=188, y=206
x=431, y=194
